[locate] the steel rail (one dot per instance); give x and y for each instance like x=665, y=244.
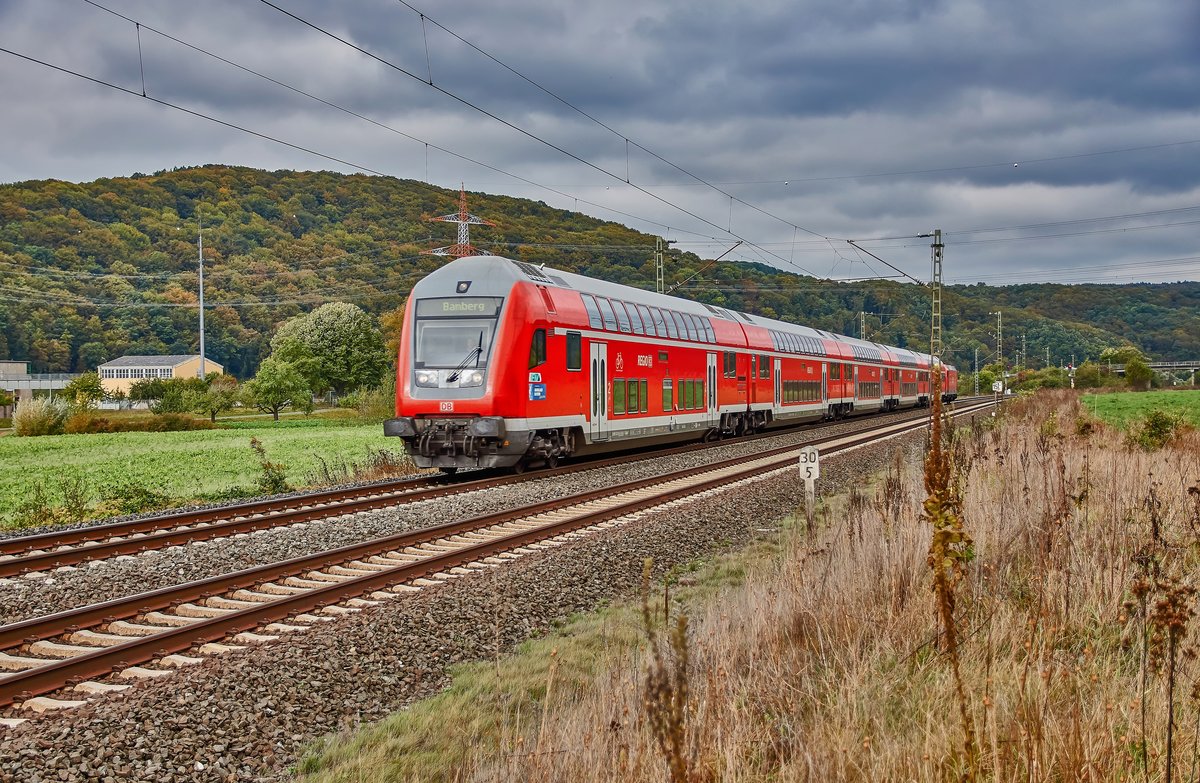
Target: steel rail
x=54, y=549
x=43, y=679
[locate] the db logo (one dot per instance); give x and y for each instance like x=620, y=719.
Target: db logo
x=446, y=407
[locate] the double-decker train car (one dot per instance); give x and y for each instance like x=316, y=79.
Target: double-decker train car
x=505, y=364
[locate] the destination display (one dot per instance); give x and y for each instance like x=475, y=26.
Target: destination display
x=475, y=306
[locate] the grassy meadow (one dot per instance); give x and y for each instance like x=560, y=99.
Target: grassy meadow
x=82, y=476
x=1123, y=408
x=823, y=659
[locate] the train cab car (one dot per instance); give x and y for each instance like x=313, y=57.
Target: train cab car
x=503, y=364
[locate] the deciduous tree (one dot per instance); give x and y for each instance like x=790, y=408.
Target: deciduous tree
x=84, y=392
x=337, y=346
x=278, y=385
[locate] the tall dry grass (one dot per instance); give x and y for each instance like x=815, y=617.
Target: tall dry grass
x=1075, y=645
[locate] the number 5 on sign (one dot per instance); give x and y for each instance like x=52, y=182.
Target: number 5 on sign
x=810, y=463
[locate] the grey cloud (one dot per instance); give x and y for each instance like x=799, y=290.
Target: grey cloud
x=733, y=92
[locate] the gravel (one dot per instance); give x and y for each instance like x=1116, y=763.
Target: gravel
x=247, y=715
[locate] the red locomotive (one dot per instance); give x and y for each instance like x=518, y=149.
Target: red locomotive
x=504, y=364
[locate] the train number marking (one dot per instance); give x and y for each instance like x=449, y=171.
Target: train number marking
x=446, y=407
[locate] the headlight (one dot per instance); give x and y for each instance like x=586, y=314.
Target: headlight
x=426, y=378
x=472, y=378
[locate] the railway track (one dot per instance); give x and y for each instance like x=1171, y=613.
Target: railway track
x=100, y=648
x=56, y=549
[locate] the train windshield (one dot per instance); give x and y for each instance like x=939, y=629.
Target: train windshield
x=454, y=333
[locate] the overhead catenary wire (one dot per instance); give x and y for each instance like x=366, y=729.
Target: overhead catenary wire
x=428, y=145
x=701, y=180
x=528, y=134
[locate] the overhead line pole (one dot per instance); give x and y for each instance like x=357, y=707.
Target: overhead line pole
x=935, y=331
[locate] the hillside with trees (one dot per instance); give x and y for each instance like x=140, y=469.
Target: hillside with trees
x=95, y=270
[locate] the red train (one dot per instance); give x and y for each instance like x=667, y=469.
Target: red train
x=504, y=364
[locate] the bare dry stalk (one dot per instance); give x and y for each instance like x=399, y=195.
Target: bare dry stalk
x=665, y=697
x=950, y=551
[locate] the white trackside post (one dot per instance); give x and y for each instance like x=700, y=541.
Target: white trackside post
x=810, y=471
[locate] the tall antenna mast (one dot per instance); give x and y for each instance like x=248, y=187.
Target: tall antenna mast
x=465, y=220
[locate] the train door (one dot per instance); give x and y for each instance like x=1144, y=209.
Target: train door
x=599, y=424
x=778, y=386
x=825, y=382
x=712, y=397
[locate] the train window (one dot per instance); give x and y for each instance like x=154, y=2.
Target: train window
x=835, y=372
x=688, y=327
x=706, y=322
x=685, y=393
x=622, y=316
x=645, y=396
x=764, y=366
x=574, y=351
x=660, y=326
x=647, y=319
x=537, y=348
x=589, y=304
x=680, y=326
x=730, y=364
x=606, y=312
x=635, y=319
x=694, y=328
x=699, y=395
x=618, y=395
x=795, y=341
x=753, y=365
x=634, y=406
x=672, y=329
x=668, y=398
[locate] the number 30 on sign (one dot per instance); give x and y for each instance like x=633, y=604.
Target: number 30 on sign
x=810, y=463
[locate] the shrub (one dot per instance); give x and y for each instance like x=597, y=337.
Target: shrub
x=1155, y=430
x=129, y=497
x=86, y=423
x=376, y=404
x=39, y=416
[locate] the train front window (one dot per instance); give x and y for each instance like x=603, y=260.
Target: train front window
x=454, y=333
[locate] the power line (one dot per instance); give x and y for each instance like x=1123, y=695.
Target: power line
x=382, y=125
x=618, y=134
x=517, y=128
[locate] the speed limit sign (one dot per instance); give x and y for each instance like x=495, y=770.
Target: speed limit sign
x=810, y=463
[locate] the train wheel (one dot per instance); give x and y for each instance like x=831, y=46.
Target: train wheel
x=552, y=461
x=519, y=467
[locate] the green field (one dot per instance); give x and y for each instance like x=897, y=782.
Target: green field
x=182, y=466
x=1121, y=408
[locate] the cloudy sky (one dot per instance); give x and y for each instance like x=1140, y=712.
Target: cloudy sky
x=1051, y=141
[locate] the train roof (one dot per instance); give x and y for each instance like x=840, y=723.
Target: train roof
x=497, y=274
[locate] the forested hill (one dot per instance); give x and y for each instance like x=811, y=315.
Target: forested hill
x=92, y=271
